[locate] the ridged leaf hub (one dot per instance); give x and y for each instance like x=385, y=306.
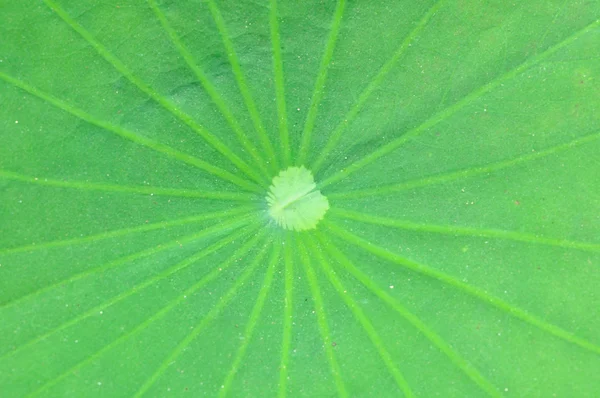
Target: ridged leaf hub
x=294, y=201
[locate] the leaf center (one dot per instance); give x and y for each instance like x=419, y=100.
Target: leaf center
x=294, y=202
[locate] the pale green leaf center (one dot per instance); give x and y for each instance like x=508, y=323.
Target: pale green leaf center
x=294, y=202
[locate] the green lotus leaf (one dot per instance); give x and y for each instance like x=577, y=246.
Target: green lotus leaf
x=299, y=198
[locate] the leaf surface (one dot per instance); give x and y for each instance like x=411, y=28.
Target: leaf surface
x=456, y=143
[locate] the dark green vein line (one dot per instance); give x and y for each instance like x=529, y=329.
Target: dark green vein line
x=321, y=317
x=127, y=231
x=123, y=295
x=464, y=231
x=142, y=190
x=435, y=339
x=284, y=135
x=254, y=317
x=215, y=273
x=319, y=89
x=211, y=316
x=449, y=86
x=243, y=86
x=210, y=89
x=451, y=110
x=365, y=323
x=336, y=135
x=288, y=311
x=158, y=98
x=208, y=232
x=541, y=39
x=466, y=288
x=465, y=173
x=134, y=137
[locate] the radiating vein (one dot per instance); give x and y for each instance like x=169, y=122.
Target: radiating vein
x=284, y=135
x=210, y=89
x=184, y=264
x=254, y=317
x=243, y=86
x=480, y=294
x=142, y=190
x=464, y=231
x=465, y=173
x=319, y=89
x=158, y=98
x=134, y=137
x=433, y=337
x=288, y=310
x=188, y=239
x=199, y=328
x=214, y=274
x=451, y=110
x=126, y=231
x=336, y=135
x=321, y=318
x=376, y=340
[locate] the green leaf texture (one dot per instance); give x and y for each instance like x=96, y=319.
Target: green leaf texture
x=457, y=144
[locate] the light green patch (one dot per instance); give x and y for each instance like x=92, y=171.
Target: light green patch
x=294, y=201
